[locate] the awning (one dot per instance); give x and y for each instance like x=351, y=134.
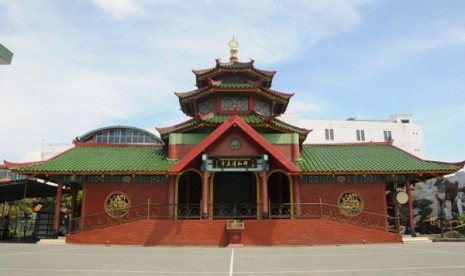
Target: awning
x=25, y=188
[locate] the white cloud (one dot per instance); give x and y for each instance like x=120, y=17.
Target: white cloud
x=70, y=76
x=120, y=9
x=402, y=49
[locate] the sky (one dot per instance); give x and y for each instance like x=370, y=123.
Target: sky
x=85, y=64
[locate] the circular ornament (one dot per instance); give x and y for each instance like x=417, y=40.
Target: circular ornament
x=401, y=197
x=126, y=179
x=235, y=143
x=350, y=204
x=341, y=178
x=117, y=204
x=313, y=179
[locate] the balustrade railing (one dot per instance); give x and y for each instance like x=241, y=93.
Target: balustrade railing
x=333, y=212
x=235, y=211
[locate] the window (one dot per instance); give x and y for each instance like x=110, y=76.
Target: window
x=329, y=134
x=123, y=135
x=387, y=135
x=360, y=135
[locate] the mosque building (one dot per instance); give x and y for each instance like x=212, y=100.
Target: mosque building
x=234, y=173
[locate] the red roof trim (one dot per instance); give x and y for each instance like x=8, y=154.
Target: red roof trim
x=97, y=144
x=12, y=165
x=248, y=130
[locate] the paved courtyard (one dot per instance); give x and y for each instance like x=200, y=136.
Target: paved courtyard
x=386, y=259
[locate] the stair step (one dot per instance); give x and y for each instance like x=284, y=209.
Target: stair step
x=408, y=239
x=60, y=240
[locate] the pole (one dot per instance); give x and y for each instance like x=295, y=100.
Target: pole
x=410, y=208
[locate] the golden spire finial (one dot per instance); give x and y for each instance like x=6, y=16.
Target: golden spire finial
x=233, y=44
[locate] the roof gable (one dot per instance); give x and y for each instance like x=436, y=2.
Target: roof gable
x=234, y=121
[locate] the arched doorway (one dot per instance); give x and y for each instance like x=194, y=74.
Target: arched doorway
x=234, y=195
x=279, y=195
x=189, y=195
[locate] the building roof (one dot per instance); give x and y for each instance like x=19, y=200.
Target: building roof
x=231, y=85
x=327, y=159
x=5, y=55
x=217, y=119
x=89, y=136
x=86, y=158
x=233, y=65
x=366, y=158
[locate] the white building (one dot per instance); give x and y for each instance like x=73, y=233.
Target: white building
x=399, y=128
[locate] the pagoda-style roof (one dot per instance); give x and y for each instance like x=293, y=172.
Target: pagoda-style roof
x=233, y=78
x=367, y=158
x=95, y=158
x=214, y=120
x=235, y=66
x=228, y=85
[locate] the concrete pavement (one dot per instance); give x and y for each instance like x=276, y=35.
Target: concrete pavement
x=446, y=258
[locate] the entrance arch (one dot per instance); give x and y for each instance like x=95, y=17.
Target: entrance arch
x=189, y=194
x=280, y=194
x=234, y=195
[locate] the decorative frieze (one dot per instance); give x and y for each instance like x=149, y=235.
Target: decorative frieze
x=309, y=179
x=112, y=178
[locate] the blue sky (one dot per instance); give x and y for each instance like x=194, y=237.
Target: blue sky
x=85, y=64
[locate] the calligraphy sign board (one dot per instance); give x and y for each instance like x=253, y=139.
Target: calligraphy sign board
x=235, y=225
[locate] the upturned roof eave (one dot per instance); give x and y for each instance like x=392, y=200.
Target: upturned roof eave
x=38, y=174
x=226, y=66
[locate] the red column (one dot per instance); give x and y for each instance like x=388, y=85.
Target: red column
x=264, y=195
x=205, y=201
x=171, y=194
x=56, y=224
x=410, y=208
x=74, y=192
x=296, y=186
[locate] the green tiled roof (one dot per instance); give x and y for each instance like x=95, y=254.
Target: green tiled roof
x=234, y=65
x=221, y=118
x=235, y=83
x=364, y=158
x=92, y=159
x=251, y=119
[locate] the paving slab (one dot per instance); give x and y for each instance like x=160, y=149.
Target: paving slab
x=380, y=259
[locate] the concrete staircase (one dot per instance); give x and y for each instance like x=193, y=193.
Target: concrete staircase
x=60, y=240
x=410, y=240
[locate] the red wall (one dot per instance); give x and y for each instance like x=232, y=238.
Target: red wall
x=214, y=233
x=95, y=194
x=373, y=194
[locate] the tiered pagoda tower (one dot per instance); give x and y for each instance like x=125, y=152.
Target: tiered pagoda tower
x=233, y=88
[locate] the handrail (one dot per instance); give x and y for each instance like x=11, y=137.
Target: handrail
x=235, y=211
x=333, y=212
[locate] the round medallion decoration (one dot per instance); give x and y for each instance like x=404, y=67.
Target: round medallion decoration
x=117, y=204
x=401, y=197
x=341, y=178
x=350, y=204
x=313, y=179
x=235, y=143
x=126, y=179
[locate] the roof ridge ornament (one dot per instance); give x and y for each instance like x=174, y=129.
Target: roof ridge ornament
x=233, y=44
